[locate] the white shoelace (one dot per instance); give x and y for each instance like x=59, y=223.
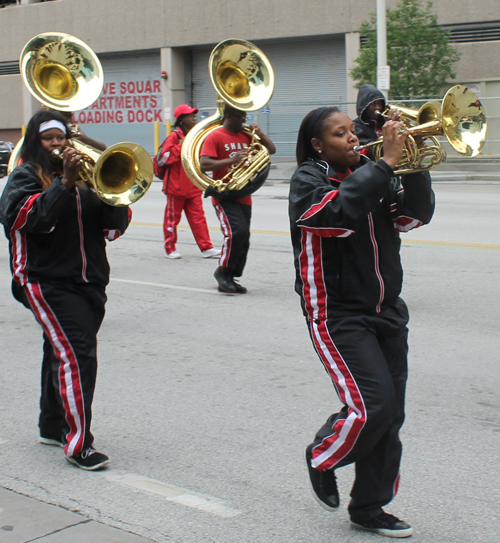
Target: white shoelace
x=87, y=452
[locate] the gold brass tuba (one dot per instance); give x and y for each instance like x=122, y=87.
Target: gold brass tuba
x=244, y=79
x=64, y=74
x=459, y=117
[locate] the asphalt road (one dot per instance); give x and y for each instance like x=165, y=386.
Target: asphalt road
x=205, y=402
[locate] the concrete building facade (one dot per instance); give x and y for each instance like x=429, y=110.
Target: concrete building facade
x=312, y=46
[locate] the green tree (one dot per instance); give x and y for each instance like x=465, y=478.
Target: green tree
x=418, y=52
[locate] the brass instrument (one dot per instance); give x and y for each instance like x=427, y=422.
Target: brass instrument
x=244, y=79
x=459, y=117
x=120, y=175
x=64, y=74
x=61, y=71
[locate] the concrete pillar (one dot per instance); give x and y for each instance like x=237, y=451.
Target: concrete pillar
x=174, y=86
x=352, y=46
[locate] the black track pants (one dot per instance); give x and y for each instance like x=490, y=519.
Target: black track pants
x=366, y=358
x=70, y=315
x=234, y=220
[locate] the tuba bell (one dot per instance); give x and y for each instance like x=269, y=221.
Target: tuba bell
x=244, y=79
x=459, y=117
x=120, y=175
x=64, y=74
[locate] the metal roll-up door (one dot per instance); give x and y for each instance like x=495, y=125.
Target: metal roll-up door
x=130, y=102
x=309, y=73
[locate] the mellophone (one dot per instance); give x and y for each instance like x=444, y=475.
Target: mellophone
x=459, y=117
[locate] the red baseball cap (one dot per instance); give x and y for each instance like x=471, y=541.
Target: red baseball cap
x=184, y=109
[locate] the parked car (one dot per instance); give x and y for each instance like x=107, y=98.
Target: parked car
x=5, y=152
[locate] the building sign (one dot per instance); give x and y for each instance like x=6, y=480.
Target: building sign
x=125, y=102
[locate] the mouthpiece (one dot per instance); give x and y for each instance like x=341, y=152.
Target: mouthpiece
x=57, y=153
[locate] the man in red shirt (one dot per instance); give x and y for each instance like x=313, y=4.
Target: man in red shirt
x=181, y=194
x=223, y=148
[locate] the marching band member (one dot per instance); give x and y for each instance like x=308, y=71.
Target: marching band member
x=182, y=195
x=57, y=229
x=369, y=123
x=222, y=148
x=346, y=213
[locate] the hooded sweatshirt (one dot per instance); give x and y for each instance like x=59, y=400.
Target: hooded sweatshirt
x=366, y=127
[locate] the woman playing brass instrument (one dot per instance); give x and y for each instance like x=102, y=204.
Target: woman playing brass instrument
x=57, y=229
x=346, y=213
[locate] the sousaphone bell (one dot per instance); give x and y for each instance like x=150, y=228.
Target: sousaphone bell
x=244, y=79
x=63, y=73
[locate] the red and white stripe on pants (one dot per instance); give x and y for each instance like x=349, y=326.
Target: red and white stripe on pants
x=69, y=373
x=70, y=314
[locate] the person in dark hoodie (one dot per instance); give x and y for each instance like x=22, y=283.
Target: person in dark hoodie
x=370, y=105
x=346, y=214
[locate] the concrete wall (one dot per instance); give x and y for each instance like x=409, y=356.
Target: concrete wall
x=478, y=61
x=128, y=25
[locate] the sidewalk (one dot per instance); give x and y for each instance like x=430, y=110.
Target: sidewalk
x=24, y=519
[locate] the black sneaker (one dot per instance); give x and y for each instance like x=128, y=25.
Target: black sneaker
x=226, y=283
x=89, y=459
x=324, y=484
x=240, y=289
x=385, y=524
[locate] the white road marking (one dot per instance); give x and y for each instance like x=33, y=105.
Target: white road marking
x=163, y=285
x=176, y=494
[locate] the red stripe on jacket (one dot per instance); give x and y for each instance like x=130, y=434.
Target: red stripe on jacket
x=318, y=207
x=18, y=239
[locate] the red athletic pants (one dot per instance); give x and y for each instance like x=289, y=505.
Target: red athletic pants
x=193, y=208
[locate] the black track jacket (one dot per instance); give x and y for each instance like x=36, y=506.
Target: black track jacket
x=345, y=235
x=57, y=234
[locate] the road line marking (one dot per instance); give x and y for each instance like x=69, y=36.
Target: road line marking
x=450, y=244
x=163, y=285
x=212, y=228
x=404, y=241
x=176, y=494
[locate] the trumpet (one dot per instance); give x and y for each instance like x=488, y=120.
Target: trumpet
x=459, y=117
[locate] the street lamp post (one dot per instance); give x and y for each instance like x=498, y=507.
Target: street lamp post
x=383, y=70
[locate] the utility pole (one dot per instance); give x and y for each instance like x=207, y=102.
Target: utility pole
x=383, y=70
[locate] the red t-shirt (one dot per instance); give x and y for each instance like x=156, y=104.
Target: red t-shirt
x=221, y=144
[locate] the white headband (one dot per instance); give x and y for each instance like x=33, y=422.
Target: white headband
x=52, y=124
